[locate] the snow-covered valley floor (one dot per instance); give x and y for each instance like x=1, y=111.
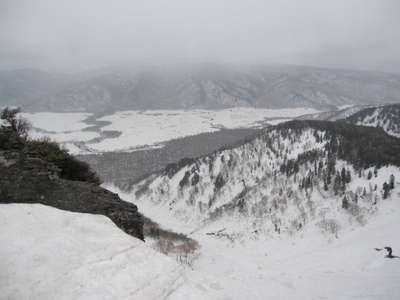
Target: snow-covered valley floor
x=148, y=129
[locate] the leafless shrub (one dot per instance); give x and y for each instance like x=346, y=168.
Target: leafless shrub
x=330, y=226
x=222, y=234
x=17, y=124
x=354, y=209
x=177, y=245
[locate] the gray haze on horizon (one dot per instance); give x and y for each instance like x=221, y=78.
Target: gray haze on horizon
x=86, y=34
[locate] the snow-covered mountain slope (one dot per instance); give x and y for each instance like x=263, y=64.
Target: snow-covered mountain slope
x=295, y=213
x=305, y=266
x=337, y=114
x=386, y=117
x=294, y=175
x=47, y=253
x=196, y=86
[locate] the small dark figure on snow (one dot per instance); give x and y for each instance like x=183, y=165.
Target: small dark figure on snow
x=389, y=252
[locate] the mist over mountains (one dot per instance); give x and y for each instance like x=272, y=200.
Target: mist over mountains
x=195, y=87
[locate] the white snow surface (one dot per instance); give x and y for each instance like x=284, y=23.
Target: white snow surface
x=48, y=253
x=57, y=122
x=303, y=267
x=309, y=265
x=152, y=127
x=149, y=129
x=64, y=128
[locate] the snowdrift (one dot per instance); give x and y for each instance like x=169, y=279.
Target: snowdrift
x=53, y=254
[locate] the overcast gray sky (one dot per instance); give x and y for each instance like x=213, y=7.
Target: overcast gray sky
x=84, y=34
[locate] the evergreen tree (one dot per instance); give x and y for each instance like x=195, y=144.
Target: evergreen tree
x=308, y=182
x=331, y=164
x=369, y=175
x=343, y=176
x=391, y=182
x=328, y=178
x=326, y=188
x=364, y=192
x=348, y=176
x=337, y=184
x=345, y=203
x=296, y=168
x=320, y=167
x=386, y=189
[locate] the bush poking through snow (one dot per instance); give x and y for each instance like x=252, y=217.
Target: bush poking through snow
x=18, y=125
x=170, y=243
x=71, y=168
x=15, y=131
x=330, y=226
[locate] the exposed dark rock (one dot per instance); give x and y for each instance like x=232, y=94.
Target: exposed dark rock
x=25, y=178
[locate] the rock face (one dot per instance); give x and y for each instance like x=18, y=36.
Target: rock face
x=25, y=178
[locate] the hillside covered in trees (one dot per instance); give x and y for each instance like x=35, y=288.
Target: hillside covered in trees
x=290, y=176
x=386, y=117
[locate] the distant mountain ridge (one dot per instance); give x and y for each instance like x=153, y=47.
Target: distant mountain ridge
x=196, y=87
x=386, y=117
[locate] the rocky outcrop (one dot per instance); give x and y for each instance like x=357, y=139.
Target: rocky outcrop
x=25, y=178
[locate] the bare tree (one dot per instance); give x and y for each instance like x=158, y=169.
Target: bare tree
x=17, y=124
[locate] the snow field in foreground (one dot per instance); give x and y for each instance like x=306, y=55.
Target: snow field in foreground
x=53, y=254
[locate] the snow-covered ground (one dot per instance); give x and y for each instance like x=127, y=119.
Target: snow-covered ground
x=48, y=253
x=310, y=265
x=305, y=267
x=150, y=128
x=57, y=122
x=60, y=127
x=52, y=254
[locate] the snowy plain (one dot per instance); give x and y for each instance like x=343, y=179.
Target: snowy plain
x=141, y=129
x=60, y=127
